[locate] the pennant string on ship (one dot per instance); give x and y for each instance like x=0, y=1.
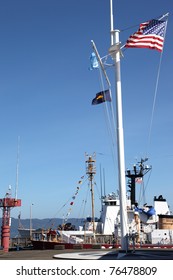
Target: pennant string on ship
x=73, y=198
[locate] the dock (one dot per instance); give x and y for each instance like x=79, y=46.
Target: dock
x=152, y=254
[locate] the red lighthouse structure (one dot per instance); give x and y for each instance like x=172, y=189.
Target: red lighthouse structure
x=6, y=204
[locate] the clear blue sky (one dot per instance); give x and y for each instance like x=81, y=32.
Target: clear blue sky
x=46, y=91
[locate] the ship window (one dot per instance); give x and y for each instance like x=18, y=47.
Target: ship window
x=113, y=203
x=110, y=203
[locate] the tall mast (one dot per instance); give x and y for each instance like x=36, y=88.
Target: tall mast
x=115, y=53
x=91, y=171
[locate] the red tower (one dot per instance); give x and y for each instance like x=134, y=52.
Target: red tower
x=6, y=204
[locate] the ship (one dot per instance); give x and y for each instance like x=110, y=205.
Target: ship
x=150, y=226
x=122, y=223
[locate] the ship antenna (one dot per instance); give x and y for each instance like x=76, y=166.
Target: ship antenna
x=104, y=182
x=101, y=186
x=17, y=169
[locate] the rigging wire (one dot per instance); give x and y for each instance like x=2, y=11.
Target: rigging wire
x=83, y=205
x=110, y=120
x=144, y=188
x=141, y=197
x=136, y=25
x=109, y=117
x=97, y=189
x=155, y=95
x=65, y=204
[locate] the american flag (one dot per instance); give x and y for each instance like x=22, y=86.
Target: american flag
x=138, y=180
x=149, y=35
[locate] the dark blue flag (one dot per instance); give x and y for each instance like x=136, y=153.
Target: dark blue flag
x=101, y=97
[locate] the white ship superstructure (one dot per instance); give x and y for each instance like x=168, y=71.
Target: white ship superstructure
x=149, y=224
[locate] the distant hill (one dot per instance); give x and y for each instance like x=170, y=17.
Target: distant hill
x=39, y=223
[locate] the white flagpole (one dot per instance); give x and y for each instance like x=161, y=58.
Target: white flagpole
x=115, y=52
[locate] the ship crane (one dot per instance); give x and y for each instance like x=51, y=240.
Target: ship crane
x=7, y=203
x=138, y=172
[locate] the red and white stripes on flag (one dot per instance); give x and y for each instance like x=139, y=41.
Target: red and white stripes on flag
x=149, y=35
x=138, y=180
